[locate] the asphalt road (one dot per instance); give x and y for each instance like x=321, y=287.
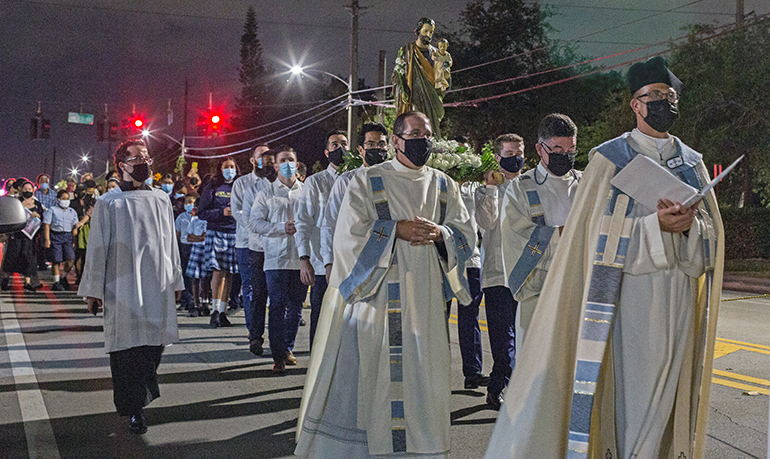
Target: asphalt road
x=218, y=400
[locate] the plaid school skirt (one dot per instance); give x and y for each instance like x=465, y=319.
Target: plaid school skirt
x=195, y=264
x=219, y=253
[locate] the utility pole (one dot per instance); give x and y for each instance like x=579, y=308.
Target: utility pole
x=739, y=13
x=184, y=115
x=109, y=142
x=352, y=118
x=380, y=83
x=53, y=168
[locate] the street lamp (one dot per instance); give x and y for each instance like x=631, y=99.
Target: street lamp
x=84, y=158
x=298, y=70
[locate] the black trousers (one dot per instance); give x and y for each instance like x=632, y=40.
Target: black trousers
x=135, y=378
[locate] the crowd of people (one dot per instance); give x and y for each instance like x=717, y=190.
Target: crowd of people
x=605, y=291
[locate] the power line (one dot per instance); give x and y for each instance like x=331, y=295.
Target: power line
x=199, y=16
x=564, y=80
x=577, y=40
x=616, y=8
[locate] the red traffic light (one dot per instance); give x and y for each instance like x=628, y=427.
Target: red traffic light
x=138, y=123
x=215, y=119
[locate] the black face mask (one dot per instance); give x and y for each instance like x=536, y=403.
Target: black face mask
x=512, y=164
x=560, y=164
x=417, y=150
x=661, y=115
x=374, y=156
x=270, y=173
x=337, y=156
x=26, y=194
x=141, y=172
x=426, y=39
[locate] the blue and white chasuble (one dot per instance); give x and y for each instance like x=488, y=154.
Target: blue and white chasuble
x=378, y=382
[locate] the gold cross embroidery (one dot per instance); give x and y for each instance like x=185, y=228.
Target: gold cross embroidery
x=381, y=234
x=535, y=250
x=464, y=246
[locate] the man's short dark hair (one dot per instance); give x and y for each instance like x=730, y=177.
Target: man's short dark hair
x=371, y=127
x=89, y=183
x=556, y=125
x=497, y=145
x=398, y=124
x=121, y=153
x=179, y=184
x=281, y=148
x=422, y=22
x=254, y=150
x=61, y=192
x=328, y=135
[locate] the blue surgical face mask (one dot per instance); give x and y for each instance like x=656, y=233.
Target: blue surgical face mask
x=288, y=169
x=259, y=163
x=167, y=187
x=178, y=195
x=229, y=173
x=148, y=181
x=43, y=186
x=189, y=208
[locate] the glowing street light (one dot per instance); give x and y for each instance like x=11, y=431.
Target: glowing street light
x=84, y=158
x=74, y=172
x=298, y=70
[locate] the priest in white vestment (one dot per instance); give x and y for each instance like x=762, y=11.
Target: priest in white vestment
x=134, y=271
x=626, y=320
x=379, y=377
x=535, y=208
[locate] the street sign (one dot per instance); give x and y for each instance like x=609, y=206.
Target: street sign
x=80, y=118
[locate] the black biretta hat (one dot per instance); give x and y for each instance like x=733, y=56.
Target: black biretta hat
x=654, y=70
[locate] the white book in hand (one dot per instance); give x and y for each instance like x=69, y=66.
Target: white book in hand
x=646, y=182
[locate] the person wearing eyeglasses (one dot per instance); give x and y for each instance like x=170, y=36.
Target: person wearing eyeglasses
x=534, y=211
x=379, y=378
x=133, y=270
x=623, y=334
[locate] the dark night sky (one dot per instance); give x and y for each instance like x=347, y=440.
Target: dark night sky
x=65, y=53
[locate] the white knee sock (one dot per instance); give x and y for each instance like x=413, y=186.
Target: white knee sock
x=55, y=278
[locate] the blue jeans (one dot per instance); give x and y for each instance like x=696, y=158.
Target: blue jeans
x=287, y=292
x=468, y=331
x=317, y=292
x=501, y=315
x=254, y=288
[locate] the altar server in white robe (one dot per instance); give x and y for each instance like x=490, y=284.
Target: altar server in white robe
x=134, y=271
x=641, y=284
x=535, y=208
x=378, y=382
x=373, y=149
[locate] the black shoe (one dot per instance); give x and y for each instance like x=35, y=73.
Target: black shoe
x=204, y=311
x=302, y=322
x=223, y=321
x=214, y=321
x=475, y=382
x=137, y=424
x=4, y=284
x=38, y=286
x=29, y=287
x=58, y=287
x=64, y=283
x=255, y=346
x=494, y=401
x=194, y=312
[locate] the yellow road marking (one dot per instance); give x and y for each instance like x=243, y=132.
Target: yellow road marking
x=735, y=385
x=722, y=349
x=751, y=379
x=743, y=343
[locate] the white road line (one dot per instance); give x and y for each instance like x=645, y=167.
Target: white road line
x=41, y=442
